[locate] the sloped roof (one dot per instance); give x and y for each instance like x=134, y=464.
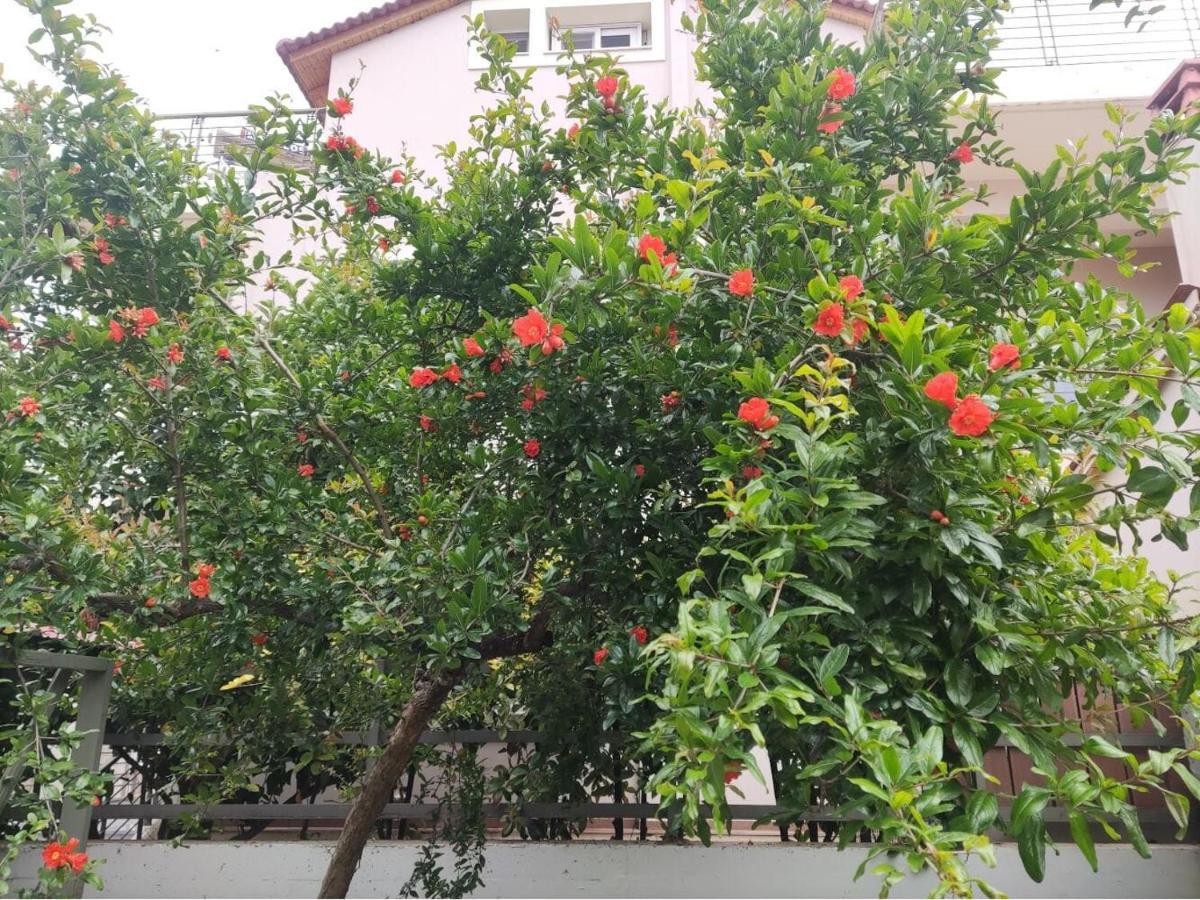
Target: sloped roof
x=308, y=57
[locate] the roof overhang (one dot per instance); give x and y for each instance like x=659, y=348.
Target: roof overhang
x=310, y=56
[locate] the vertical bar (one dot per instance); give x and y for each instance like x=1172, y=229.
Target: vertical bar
x=93, y=717
x=618, y=823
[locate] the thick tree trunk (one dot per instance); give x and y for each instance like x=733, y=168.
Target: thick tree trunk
x=425, y=702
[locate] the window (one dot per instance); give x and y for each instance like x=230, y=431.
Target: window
x=510, y=24
x=603, y=37
x=520, y=38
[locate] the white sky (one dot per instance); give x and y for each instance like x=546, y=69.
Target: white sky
x=188, y=56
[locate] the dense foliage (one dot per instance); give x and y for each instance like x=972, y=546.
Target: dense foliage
x=749, y=428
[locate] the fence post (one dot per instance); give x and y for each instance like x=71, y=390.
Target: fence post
x=93, y=716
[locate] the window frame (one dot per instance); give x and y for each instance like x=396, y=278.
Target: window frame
x=633, y=29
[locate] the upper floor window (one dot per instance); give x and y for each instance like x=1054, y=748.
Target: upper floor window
x=541, y=29
x=520, y=38
x=599, y=37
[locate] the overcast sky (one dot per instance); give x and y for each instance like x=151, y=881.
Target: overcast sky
x=188, y=56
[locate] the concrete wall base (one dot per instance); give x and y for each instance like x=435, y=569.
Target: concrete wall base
x=584, y=869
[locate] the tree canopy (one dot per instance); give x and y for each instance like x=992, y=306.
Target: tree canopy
x=747, y=426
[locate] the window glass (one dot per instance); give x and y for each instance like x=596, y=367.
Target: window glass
x=610, y=38
x=520, y=38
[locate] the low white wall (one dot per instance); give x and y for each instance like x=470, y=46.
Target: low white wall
x=582, y=869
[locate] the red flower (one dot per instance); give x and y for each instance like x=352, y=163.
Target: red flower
x=112, y=221
x=4, y=323
x=205, y=570
x=532, y=394
x=427, y=424
x=224, y=354
x=142, y=319
x=174, y=355
x=422, y=377
x=830, y=320
x=305, y=470
x=56, y=855
x=341, y=106
x=650, y=243
x=971, y=417
x=405, y=533
x=639, y=470
x=302, y=436
x=751, y=472
x=471, y=347
x=607, y=86
x=259, y=640
x=943, y=388
x=851, y=286
x=859, y=329
x=75, y=261
x=962, y=153
x=28, y=407
x=741, y=283
x=831, y=118
x=149, y=603
x=756, y=412
x=102, y=252
x=554, y=340
x=842, y=86
x=733, y=772
x=531, y=328
x=532, y=448
x=1004, y=356
x=199, y=587
x=670, y=401
x=397, y=176
x=600, y=656
x=372, y=205
x=452, y=373
x=639, y=633
x=116, y=332
x=672, y=335
x=157, y=383
x=573, y=131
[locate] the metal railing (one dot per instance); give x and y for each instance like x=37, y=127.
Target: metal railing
x=214, y=134
x=820, y=822
x=1070, y=33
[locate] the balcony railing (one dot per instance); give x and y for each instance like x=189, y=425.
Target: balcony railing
x=214, y=134
x=1071, y=33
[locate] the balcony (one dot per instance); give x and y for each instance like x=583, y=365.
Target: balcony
x=1071, y=33
x=215, y=136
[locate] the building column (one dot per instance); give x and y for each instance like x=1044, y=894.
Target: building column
x=1179, y=92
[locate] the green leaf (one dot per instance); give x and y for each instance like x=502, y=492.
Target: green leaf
x=960, y=682
x=1031, y=845
x=1082, y=836
x=1133, y=828
x=1027, y=807
x=982, y=810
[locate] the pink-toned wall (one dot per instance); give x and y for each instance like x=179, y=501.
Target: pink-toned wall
x=417, y=92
